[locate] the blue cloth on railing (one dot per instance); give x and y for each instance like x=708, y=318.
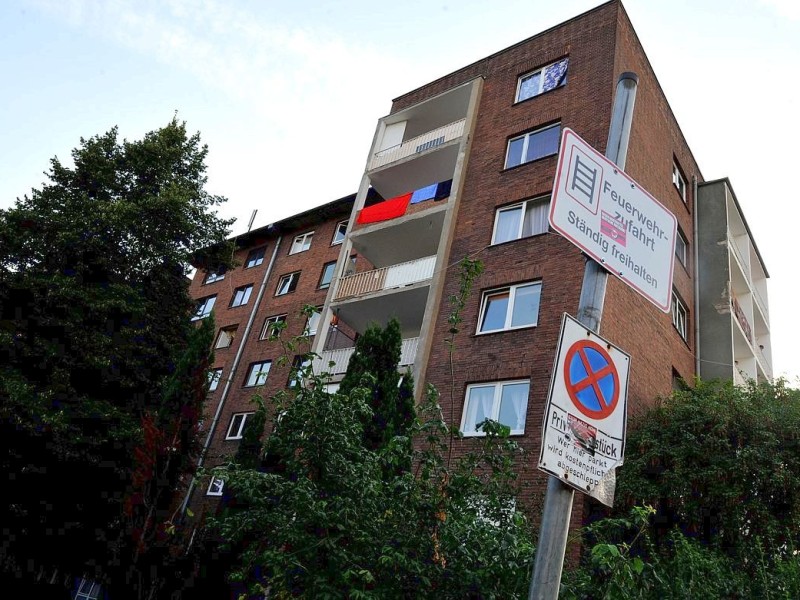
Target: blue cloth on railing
x=443, y=189
x=425, y=193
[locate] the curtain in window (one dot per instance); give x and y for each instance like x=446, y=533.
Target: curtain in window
x=535, y=218
x=383, y=211
x=543, y=143
x=479, y=408
x=507, y=225
x=555, y=75
x=514, y=405
x=529, y=86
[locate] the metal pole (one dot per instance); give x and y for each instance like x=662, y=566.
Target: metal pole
x=549, y=563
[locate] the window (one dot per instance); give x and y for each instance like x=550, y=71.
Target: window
x=327, y=275
x=254, y=258
x=331, y=388
x=215, y=487
x=510, y=308
x=505, y=402
x=87, y=590
x=679, y=315
x=213, y=276
x=521, y=220
x=681, y=248
x=287, y=283
x=226, y=337
x=313, y=322
x=270, y=327
x=542, y=80
x=236, y=428
x=214, y=377
x=533, y=145
x=679, y=181
x=341, y=231
x=299, y=366
x=241, y=295
x=257, y=373
x=301, y=243
x=204, y=307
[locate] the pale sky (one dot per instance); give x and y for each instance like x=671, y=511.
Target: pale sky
x=287, y=94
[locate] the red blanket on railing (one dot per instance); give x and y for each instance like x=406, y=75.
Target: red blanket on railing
x=383, y=211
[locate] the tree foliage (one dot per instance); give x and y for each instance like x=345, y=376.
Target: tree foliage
x=336, y=517
x=99, y=383
x=720, y=466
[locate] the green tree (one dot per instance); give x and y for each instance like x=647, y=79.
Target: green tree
x=376, y=356
x=720, y=465
x=93, y=330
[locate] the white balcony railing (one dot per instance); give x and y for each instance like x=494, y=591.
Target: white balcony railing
x=761, y=304
x=341, y=358
x=395, y=276
x=745, y=267
x=423, y=142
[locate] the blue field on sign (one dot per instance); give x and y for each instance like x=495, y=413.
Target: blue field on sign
x=578, y=375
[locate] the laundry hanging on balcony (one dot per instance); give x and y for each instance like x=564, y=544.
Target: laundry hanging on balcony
x=555, y=75
x=383, y=211
x=443, y=189
x=426, y=193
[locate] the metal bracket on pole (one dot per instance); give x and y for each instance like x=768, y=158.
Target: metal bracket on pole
x=549, y=562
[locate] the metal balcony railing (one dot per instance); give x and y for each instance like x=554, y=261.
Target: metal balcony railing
x=341, y=358
x=423, y=142
x=399, y=275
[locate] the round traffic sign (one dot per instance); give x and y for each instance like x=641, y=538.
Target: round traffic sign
x=591, y=379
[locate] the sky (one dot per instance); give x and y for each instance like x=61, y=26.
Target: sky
x=287, y=94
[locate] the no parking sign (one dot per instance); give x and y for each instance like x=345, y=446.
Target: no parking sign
x=583, y=434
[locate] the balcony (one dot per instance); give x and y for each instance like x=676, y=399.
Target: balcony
x=341, y=358
x=418, y=144
x=386, y=278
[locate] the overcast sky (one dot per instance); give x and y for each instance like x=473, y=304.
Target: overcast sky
x=287, y=94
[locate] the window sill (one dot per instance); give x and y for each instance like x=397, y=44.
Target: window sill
x=519, y=239
x=494, y=331
x=530, y=162
x=481, y=434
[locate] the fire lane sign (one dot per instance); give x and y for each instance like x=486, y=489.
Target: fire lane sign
x=583, y=433
x=614, y=220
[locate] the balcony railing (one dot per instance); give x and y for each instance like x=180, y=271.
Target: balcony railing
x=761, y=303
x=740, y=259
x=341, y=358
x=399, y=275
x=423, y=142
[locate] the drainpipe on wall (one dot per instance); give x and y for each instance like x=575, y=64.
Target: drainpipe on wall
x=696, y=282
x=231, y=374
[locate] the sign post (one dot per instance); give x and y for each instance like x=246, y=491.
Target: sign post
x=549, y=563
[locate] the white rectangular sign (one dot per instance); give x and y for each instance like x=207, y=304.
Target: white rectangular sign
x=583, y=433
x=613, y=219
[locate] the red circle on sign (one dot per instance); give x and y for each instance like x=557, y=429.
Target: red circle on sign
x=587, y=369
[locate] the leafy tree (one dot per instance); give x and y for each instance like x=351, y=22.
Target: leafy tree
x=721, y=469
x=376, y=355
x=99, y=380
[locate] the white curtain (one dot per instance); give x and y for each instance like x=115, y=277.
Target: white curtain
x=514, y=405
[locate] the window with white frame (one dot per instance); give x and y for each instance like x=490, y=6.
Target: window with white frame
x=254, y=258
x=313, y=322
x=681, y=248
x=533, y=145
x=679, y=181
x=301, y=243
x=214, y=376
x=204, y=307
x=287, y=283
x=679, y=315
x=226, y=337
x=504, y=401
x=341, y=231
x=299, y=366
x=271, y=327
x=87, y=590
x=241, y=295
x=236, y=428
x=331, y=388
x=520, y=220
x=327, y=275
x=213, y=276
x=510, y=307
x=542, y=80
x=215, y=487
x=257, y=373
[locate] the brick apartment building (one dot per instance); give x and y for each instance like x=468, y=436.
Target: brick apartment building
x=463, y=167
